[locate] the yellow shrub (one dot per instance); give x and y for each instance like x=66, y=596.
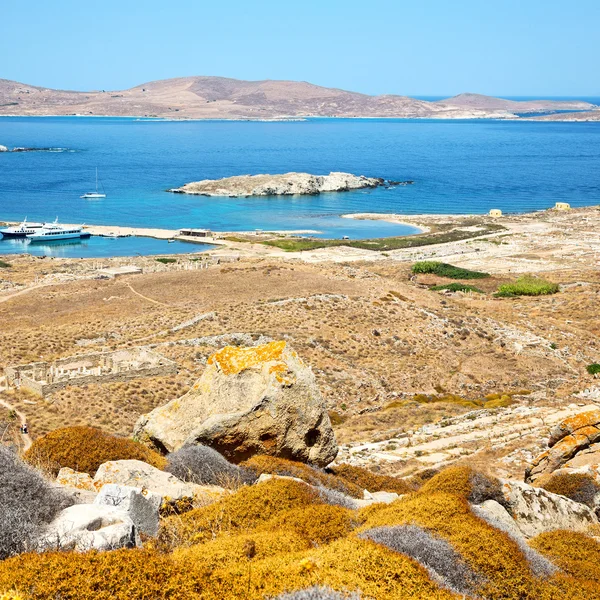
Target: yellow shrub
x=118, y=575
x=231, y=549
x=488, y=551
x=10, y=596
x=317, y=524
x=346, y=565
x=576, y=553
x=84, y=449
x=239, y=512
x=367, y=480
x=467, y=483
x=280, y=466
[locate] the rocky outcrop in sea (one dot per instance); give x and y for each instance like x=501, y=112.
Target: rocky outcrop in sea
x=283, y=185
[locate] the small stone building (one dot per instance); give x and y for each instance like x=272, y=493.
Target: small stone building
x=495, y=212
x=195, y=232
x=101, y=367
x=562, y=206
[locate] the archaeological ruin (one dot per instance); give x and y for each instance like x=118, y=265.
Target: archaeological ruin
x=45, y=378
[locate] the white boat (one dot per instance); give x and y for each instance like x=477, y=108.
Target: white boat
x=55, y=231
x=96, y=194
x=22, y=230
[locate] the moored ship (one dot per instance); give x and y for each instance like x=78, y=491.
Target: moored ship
x=55, y=231
x=22, y=230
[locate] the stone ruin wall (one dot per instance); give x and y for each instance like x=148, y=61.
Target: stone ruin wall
x=25, y=374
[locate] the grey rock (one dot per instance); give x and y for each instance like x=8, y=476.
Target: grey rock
x=138, y=474
x=3, y=148
x=536, y=511
x=84, y=527
x=142, y=505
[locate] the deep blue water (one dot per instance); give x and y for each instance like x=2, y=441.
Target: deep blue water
x=98, y=247
x=457, y=166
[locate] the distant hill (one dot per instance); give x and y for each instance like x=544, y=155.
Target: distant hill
x=480, y=102
x=222, y=98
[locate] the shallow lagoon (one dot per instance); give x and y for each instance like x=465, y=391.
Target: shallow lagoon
x=100, y=247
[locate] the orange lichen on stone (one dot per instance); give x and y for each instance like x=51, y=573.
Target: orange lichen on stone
x=572, y=424
x=232, y=360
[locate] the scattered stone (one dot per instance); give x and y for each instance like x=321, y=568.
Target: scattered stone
x=138, y=474
x=259, y=400
x=142, y=505
x=69, y=478
x=84, y=527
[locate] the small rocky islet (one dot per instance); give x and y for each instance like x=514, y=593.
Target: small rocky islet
x=287, y=184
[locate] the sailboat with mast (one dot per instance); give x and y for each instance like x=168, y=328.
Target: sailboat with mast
x=96, y=194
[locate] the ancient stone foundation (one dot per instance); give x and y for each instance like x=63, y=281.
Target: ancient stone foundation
x=101, y=367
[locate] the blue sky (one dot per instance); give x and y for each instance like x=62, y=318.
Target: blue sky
x=419, y=47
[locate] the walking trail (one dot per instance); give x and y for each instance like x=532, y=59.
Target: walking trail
x=25, y=436
x=146, y=297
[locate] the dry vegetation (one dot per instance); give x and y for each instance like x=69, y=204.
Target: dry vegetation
x=281, y=536
x=84, y=449
x=390, y=355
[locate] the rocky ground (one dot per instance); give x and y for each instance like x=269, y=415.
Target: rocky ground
x=405, y=371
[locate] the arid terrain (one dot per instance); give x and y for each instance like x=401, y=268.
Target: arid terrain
x=405, y=371
x=223, y=98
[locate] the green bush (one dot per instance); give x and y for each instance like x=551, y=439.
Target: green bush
x=4, y=265
x=527, y=286
x=166, y=261
x=445, y=270
x=457, y=287
x=593, y=369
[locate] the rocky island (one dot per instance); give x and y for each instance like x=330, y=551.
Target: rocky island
x=286, y=184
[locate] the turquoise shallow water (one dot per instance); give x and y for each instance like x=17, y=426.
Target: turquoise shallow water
x=99, y=247
x=457, y=166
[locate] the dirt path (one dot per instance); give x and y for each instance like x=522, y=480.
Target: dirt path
x=21, y=292
x=146, y=297
x=25, y=436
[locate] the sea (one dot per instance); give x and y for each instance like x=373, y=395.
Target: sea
x=457, y=166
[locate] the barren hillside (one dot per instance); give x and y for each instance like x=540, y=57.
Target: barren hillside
x=223, y=98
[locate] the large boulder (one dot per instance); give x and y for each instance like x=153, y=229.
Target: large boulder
x=138, y=474
x=259, y=400
x=568, y=439
x=84, y=527
x=536, y=511
x=142, y=506
x=3, y=148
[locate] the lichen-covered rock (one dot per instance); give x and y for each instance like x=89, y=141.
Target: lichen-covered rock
x=259, y=400
x=84, y=527
x=536, y=511
x=138, y=474
x=568, y=439
x=69, y=478
x=278, y=185
x=572, y=424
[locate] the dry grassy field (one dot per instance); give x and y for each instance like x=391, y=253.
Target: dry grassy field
x=375, y=335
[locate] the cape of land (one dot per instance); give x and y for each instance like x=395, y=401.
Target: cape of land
x=223, y=98
x=280, y=185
